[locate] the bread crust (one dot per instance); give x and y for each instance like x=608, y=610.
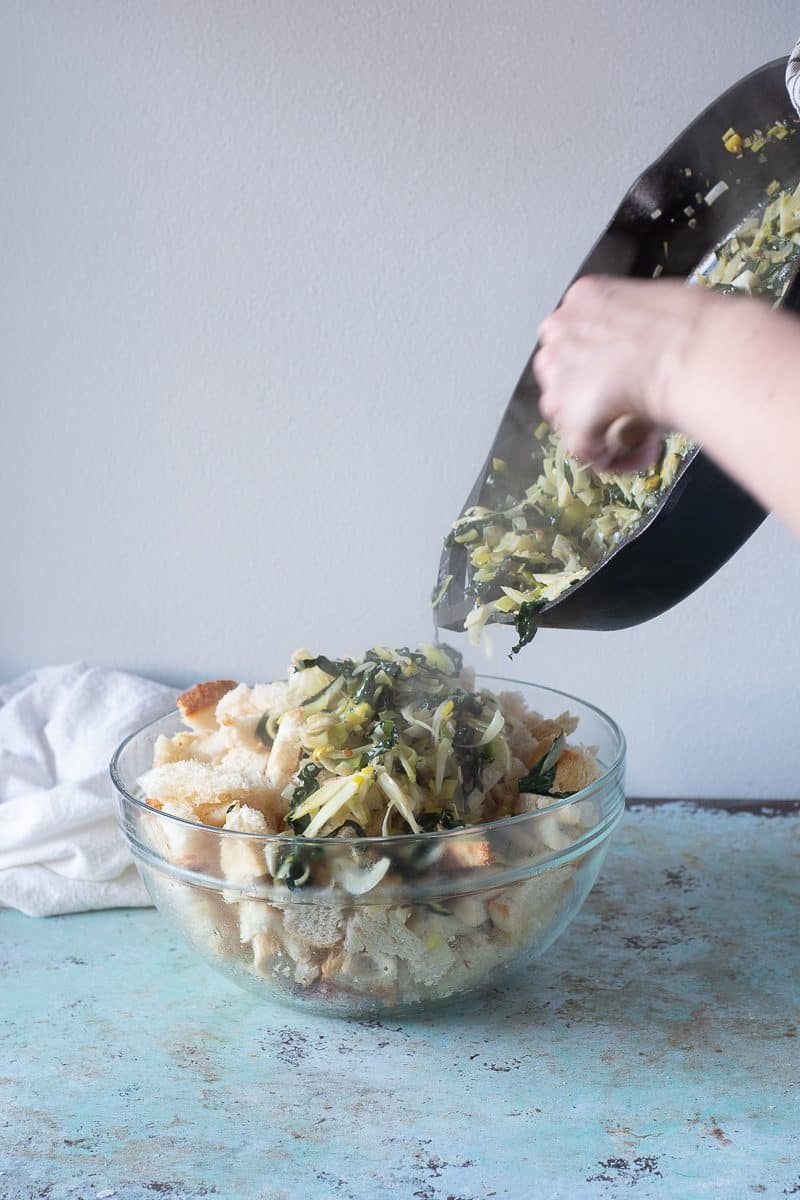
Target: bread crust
x=197, y=704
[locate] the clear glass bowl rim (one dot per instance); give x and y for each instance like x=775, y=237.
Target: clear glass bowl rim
x=402, y=839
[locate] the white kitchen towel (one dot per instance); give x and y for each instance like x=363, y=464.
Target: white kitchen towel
x=60, y=848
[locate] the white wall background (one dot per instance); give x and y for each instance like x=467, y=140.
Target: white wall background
x=270, y=271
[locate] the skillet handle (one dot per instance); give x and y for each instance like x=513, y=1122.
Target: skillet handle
x=625, y=435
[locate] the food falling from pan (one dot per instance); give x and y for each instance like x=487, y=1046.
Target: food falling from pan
x=538, y=537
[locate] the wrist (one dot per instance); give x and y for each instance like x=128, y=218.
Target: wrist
x=698, y=349
x=682, y=341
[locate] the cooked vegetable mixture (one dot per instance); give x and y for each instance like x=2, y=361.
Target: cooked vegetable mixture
x=394, y=742
x=527, y=548
x=758, y=257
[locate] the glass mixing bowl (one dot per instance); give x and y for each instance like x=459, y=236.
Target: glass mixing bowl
x=375, y=924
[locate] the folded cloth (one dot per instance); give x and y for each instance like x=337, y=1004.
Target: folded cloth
x=60, y=848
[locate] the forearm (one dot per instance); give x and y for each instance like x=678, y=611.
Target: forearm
x=735, y=387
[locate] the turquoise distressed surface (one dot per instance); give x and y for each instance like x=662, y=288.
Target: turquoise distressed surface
x=651, y=1053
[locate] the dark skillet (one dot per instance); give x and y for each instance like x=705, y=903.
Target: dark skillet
x=704, y=517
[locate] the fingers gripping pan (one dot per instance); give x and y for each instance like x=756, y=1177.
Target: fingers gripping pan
x=660, y=227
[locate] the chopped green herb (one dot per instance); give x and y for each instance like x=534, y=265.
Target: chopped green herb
x=294, y=868
x=387, y=734
x=261, y=730
x=331, y=666
x=526, y=626
x=541, y=776
x=437, y=821
x=308, y=783
x=348, y=829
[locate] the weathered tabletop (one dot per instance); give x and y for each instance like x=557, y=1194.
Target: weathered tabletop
x=652, y=1052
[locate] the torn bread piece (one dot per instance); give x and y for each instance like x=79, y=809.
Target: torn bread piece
x=463, y=853
x=242, y=859
x=469, y=910
x=208, y=791
x=198, y=704
x=360, y=973
x=284, y=757
x=249, y=762
x=199, y=913
x=320, y=926
x=547, y=729
x=478, y=957
x=267, y=947
x=523, y=907
x=198, y=745
x=306, y=961
x=240, y=713
x=257, y=916
x=577, y=767
x=384, y=931
x=183, y=842
x=436, y=926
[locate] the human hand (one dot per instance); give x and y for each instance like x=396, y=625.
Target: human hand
x=610, y=351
